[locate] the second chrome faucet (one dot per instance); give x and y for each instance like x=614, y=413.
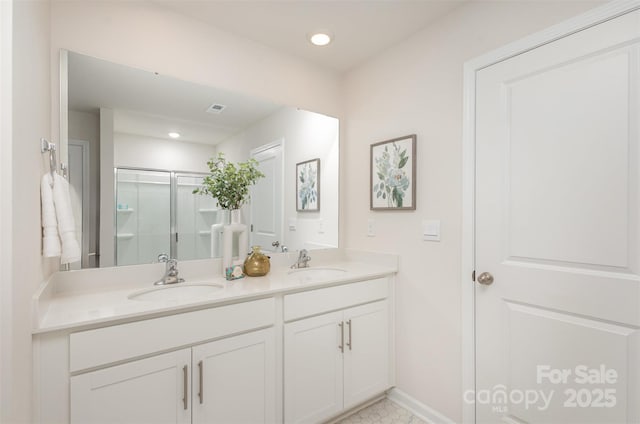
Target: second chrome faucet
x=170, y=271
x=303, y=259
x=171, y=267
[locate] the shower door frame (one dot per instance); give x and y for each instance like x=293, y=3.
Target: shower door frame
x=174, y=208
x=173, y=205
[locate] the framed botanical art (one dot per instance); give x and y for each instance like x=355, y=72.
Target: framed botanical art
x=393, y=174
x=308, y=186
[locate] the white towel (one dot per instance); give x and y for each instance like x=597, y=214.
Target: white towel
x=50, y=238
x=58, y=225
x=66, y=223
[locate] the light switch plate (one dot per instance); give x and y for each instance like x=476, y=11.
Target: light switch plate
x=320, y=226
x=292, y=224
x=431, y=230
x=371, y=228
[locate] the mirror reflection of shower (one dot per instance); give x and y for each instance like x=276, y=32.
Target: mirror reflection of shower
x=115, y=116
x=156, y=212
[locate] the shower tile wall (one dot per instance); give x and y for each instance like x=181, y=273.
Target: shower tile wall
x=142, y=216
x=194, y=216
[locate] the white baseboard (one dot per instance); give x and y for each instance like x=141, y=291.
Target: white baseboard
x=418, y=408
x=355, y=409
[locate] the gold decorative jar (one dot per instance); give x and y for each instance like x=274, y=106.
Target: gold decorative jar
x=257, y=263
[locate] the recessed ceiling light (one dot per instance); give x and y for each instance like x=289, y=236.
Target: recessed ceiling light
x=320, y=38
x=174, y=135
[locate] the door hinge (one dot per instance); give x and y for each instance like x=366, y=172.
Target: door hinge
x=252, y=228
x=473, y=275
x=176, y=237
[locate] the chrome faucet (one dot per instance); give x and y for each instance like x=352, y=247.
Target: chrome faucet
x=170, y=272
x=303, y=260
x=277, y=244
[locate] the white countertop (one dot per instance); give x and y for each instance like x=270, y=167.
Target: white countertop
x=97, y=297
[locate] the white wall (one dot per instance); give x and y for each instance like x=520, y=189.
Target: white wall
x=6, y=29
x=137, y=151
x=306, y=135
x=148, y=36
x=420, y=83
x=31, y=120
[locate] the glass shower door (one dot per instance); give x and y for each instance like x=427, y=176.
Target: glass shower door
x=143, y=215
x=194, y=217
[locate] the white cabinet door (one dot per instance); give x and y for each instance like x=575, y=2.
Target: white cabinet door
x=366, y=353
x=313, y=368
x=154, y=390
x=234, y=380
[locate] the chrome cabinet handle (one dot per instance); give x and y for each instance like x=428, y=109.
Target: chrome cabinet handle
x=341, y=346
x=184, y=388
x=201, y=388
x=349, y=342
x=486, y=279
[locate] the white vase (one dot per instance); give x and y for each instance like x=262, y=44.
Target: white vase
x=235, y=226
x=236, y=216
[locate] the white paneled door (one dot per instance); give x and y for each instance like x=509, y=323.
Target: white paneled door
x=266, y=198
x=80, y=203
x=557, y=237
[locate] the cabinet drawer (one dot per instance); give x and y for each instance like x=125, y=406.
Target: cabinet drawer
x=313, y=302
x=102, y=346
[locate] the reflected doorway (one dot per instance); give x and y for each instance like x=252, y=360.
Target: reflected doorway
x=266, y=207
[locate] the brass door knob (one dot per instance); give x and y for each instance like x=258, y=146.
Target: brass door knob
x=485, y=279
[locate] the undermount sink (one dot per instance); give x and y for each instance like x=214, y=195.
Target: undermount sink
x=177, y=292
x=316, y=274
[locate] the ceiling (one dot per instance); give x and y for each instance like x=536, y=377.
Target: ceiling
x=153, y=105
x=361, y=28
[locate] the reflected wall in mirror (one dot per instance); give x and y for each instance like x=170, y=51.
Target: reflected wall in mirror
x=138, y=144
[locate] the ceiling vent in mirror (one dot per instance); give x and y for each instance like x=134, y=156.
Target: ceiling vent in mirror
x=216, y=108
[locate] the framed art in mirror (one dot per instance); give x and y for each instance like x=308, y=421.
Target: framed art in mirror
x=308, y=186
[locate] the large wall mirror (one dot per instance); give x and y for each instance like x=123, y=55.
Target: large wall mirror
x=138, y=144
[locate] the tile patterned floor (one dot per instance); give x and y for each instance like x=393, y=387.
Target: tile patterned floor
x=382, y=412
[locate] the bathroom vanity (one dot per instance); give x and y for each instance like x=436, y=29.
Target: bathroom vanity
x=295, y=346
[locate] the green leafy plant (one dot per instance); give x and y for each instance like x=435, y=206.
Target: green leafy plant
x=229, y=183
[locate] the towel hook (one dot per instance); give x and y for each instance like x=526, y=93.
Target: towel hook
x=45, y=146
